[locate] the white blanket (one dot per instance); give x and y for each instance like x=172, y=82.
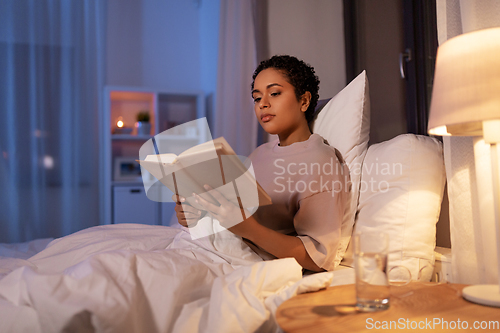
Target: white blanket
x=140, y=278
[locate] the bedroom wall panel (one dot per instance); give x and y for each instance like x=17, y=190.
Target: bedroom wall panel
x=123, y=42
x=162, y=43
x=314, y=32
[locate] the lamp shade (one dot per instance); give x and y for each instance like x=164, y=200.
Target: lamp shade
x=466, y=101
x=466, y=89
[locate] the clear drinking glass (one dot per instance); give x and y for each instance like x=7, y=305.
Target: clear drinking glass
x=370, y=265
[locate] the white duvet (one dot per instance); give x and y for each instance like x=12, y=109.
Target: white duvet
x=140, y=278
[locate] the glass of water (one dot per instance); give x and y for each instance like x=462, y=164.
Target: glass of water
x=370, y=265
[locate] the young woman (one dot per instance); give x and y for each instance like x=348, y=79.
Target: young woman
x=306, y=179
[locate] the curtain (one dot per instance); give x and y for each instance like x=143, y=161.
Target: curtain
x=234, y=117
x=51, y=78
x=467, y=161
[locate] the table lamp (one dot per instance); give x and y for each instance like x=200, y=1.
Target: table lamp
x=466, y=102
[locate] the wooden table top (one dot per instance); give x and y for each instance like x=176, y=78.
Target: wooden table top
x=428, y=306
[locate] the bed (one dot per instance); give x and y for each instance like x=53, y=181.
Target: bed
x=141, y=278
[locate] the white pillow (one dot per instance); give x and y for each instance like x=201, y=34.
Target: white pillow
x=345, y=123
x=402, y=186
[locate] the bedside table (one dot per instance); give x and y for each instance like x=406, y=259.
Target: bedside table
x=418, y=306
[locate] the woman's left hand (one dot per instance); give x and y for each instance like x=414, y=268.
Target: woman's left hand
x=228, y=214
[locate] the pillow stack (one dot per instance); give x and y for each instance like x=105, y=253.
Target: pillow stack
x=402, y=187
x=345, y=123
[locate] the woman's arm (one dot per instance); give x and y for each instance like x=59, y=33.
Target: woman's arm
x=277, y=244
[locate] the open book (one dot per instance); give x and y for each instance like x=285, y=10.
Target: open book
x=213, y=163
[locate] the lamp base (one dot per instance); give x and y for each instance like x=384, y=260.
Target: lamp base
x=485, y=294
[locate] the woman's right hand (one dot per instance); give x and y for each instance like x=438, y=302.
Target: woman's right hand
x=187, y=215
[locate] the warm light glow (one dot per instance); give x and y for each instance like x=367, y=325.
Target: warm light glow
x=119, y=123
x=466, y=102
x=439, y=131
x=491, y=131
x=466, y=84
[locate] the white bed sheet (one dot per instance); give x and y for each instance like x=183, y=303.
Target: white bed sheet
x=140, y=278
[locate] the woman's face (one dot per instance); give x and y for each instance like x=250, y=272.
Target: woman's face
x=276, y=105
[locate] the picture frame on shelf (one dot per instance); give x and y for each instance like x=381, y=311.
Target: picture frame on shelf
x=127, y=169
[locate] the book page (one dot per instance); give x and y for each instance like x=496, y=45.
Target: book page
x=241, y=172
x=202, y=152
x=163, y=158
x=212, y=163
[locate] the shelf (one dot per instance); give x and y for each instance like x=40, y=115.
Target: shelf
x=179, y=137
x=126, y=183
x=130, y=137
x=126, y=105
x=167, y=109
x=147, y=137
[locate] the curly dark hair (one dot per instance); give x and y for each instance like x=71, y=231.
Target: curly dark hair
x=299, y=74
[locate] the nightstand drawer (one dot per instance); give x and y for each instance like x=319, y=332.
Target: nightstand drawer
x=131, y=205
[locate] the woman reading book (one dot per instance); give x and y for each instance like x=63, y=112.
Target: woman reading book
x=306, y=178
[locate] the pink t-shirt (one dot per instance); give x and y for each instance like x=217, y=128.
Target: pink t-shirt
x=308, y=183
